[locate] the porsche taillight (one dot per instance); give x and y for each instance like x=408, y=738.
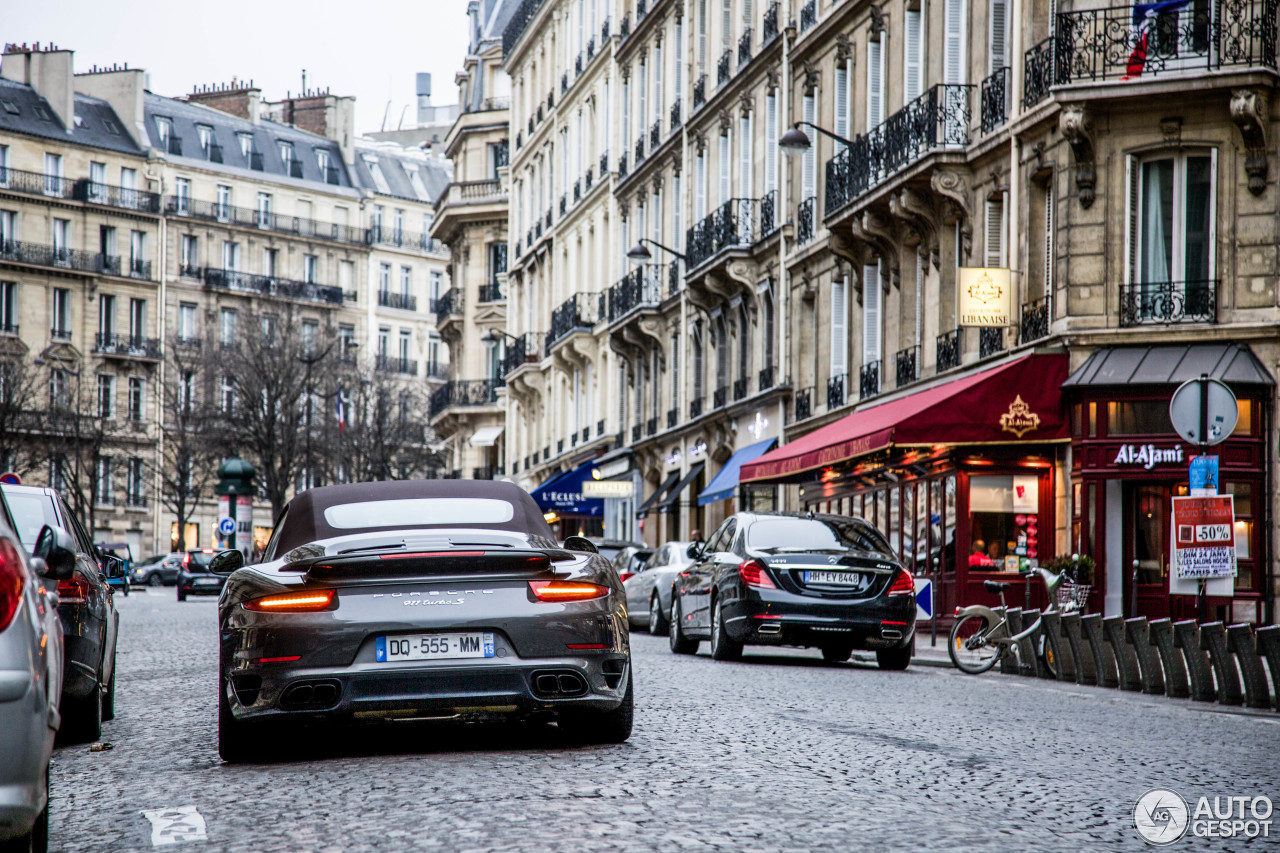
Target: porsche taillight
x=903, y=584
x=13, y=575
x=753, y=574
x=567, y=590
x=305, y=601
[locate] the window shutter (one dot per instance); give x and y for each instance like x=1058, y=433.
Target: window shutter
x=809, y=176
x=911, y=60
x=677, y=73
x=953, y=42
x=839, y=327
x=875, y=85
x=995, y=233
x=726, y=24
x=999, y=35
x=702, y=35
x=919, y=299
x=725, y=171
x=771, y=143
x=699, y=187
x=871, y=293
x=657, y=83
x=1134, y=219
x=744, y=157
x=842, y=101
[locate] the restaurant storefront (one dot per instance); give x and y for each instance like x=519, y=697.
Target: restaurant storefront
x=965, y=477
x=1128, y=463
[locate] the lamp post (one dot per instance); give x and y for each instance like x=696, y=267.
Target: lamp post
x=796, y=142
x=640, y=254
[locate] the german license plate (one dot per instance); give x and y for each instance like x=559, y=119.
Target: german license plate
x=474, y=644
x=853, y=579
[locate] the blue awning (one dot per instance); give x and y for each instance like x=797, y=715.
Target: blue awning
x=726, y=481
x=563, y=493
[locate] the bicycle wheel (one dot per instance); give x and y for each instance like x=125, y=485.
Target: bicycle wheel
x=970, y=650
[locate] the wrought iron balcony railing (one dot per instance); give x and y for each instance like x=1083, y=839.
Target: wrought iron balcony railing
x=624, y=26
x=131, y=346
x=949, y=349
x=675, y=115
x=526, y=349
x=738, y=223
x=836, y=391
x=40, y=254
x=212, y=211
x=403, y=301
x=580, y=311
x=939, y=118
x=1169, y=303
x=673, y=418
x=464, y=392
x=622, y=166
x=435, y=370
x=1185, y=39
x=266, y=285
x=635, y=428
x=448, y=304
x=804, y=403
x=906, y=365
x=491, y=292
x=651, y=426
x=639, y=150
x=655, y=134
x=741, y=388
x=700, y=91
x=869, y=385
x=80, y=189
x=995, y=100
x=990, y=340
x=640, y=288
x=805, y=215
x=769, y=26
x=1037, y=73
x=744, y=47
x=764, y=381
x=696, y=406
x=1035, y=320
x=722, y=67
x=808, y=14
x=395, y=364
x=720, y=397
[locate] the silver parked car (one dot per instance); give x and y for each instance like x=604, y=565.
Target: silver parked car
x=649, y=590
x=31, y=667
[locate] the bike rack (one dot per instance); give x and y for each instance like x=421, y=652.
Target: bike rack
x=1213, y=639
x=1104, y=661
x=1240, y=641
x=1268, y=640
x=1186, y=636
x=1175, y=672
x=1086, y=673
x=1126, y=660
x=1139, y=636
x=1008, y=664
x=1062, y=652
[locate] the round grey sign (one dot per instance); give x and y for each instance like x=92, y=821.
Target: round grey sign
x=1184, y=411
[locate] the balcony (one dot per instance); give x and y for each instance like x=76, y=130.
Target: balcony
x=1037, y=73
x=449, y=304
x=804, y=403
x=487, y=191
x=836, y=391
x=995, y=100
x=395, y=365
x=675, y=115
x=526, y=349
x=869, y=383
x=695, y=407
x=937, y=119
x=622, y=166
x=403, y=301
x=739, y=223
x=635, y=428
x=1169, y=303
x=60, y=333
x=9, y=330
x=720, y=397
x=404, y=240
x=673, y=418
x=700, y=91
x=248, y=217
x=435, y=370
x=264, y=285
x=40, y=254
x=579, y=312
x=741, y=388
x=805, y=216
x=126, y=346
x=744, y=47
x=651, y=426
x=949, y=349
x=1104, y=44
x=80, y=189
x=491, y=293
x=655, y=135
x=1035, y=320
x=764, y=381
x=769, y=26
x=464, y=392
x=624, y=27
x=722, y=67
x=990, y=341
x=906, y=365
x=640, y=288
x=808, y=14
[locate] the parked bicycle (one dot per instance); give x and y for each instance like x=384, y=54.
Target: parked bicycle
x=981, y=636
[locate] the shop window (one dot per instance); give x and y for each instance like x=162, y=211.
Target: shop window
x=1003, y=521
x=1244, y=423
x=1242, y=494
x=1138, y=417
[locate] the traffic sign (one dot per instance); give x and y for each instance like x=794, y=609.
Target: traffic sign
x=924, y=599
x=10, y=479
x=1218, y=403
x=227, y=526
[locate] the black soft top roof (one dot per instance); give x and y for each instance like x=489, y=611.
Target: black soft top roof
x=305, y=521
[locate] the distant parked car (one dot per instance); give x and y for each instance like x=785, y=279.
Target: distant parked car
x=194, y=577
x=32, y=663
x=122, y=552
x=160, y=570
x=649, y=590
x=87, y=610
x=609, y=548
x=631, y=560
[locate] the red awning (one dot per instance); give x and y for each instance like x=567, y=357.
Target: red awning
x=1017, y=402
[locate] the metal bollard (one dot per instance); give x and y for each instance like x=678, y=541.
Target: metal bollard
x=1213, y=639
x=1138, y=634
x=1269, y=647
x=1081, y=654
x=1126, y=660
x=1056, y=649
x=1186, y=636
x=1240, y=642
x=1175, y=672
x=1031, y=663
x=1009, y=663
x=1104, y=661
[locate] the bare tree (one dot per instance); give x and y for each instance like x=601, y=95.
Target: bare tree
x=22, y=401
x=385, y=436
x=188, y=410
x=75, y=438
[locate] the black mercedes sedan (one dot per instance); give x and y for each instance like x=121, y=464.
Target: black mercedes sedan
x=420, y=601
x=825, y=581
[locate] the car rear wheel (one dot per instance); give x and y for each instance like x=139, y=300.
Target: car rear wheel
x=838, y=653
x=657, y=619
x=722, y=645
x=601, y=726
x=680, y=644
x=894, y=659
x=154, y=579
x=81, y=718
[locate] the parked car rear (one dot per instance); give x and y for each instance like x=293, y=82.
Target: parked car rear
x=161, y=570
x=649, y=590
x=194, y=577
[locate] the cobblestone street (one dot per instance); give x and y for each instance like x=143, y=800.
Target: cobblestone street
x=779, y=752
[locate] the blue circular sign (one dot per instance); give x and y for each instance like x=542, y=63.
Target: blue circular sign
x=227, y=526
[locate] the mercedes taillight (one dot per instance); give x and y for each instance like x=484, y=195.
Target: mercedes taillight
x=753, y=573
x=903, y=584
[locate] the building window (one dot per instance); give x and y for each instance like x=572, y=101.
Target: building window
x=839, y=327
x=4, y=165
x=223, y=211
x=104, y=485
x=322, y=160
x=98, y=182
x=872, y=294
x=164, y=129
x=406, y=282
x=8, y=229
x=384, y=278
x=53, y=174
x=384, y=341
x=9, y=307
x=59, y=396
x=397, y=224
x=346, y=275
x=106, y=396
x=286, y=156
x=346, y=340
x=137, y=319
x=405, y=338
x=227, y=326
x=437, y=281
x=264, y=210
x=61, y=241
x=186, y=322
x=310, y=268
x=1171, y=216
x=227, y=398
x=182, y=195
x=1003, y=511
x=205, y=134
x=106, y=317
x=187, y=391
x=309, y=329
x=994, y=256
x=246, y=145
x=61, y=313
x=230, y=256
x=138, y=255
x=497, y=261
x=137, y=398
x=136, y=483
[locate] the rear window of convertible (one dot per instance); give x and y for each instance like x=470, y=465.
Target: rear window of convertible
x=411, y=512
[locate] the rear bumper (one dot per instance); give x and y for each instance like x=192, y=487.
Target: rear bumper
x=780, y=618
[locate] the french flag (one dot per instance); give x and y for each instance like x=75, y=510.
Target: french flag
x=341, y=411
x=1144, y=19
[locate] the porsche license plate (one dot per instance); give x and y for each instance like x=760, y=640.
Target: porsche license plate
x=852, y=579
x=473, y=644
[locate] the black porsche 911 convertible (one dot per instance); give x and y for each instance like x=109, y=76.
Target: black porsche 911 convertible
x=420, y=600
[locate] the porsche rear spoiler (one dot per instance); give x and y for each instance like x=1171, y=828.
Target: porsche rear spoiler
x=427, y=563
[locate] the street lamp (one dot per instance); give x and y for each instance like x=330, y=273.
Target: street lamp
x=490, y=336
x=796, y=142
x=640, y=254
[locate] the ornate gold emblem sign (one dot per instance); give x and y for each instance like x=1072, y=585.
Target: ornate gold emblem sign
x=1019, y=420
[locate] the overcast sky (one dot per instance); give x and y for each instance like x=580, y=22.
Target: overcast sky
x=370, y=49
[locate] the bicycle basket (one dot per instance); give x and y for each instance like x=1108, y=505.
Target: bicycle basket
x=1073, y=595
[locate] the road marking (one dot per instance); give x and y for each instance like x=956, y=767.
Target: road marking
x=176, y=825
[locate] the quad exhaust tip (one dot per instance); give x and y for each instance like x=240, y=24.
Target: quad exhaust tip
x=558, y=684
x=311, y=696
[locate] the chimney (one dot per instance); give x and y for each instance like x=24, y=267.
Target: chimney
x=123, y=89
x=234, y=98
x=426, y=113
x=319, y=112
x=49, y=71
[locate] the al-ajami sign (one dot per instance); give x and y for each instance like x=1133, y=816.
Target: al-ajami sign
x=985, y=296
